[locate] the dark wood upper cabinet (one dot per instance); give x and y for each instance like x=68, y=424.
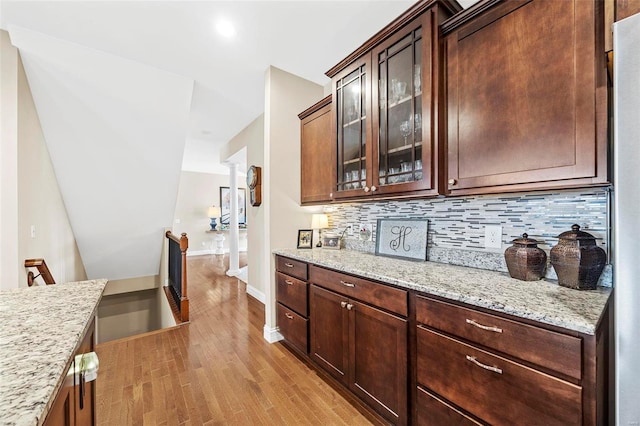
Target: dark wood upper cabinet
x=626, y=8
x=385, y=117
x=526, y=96
x=316, y=183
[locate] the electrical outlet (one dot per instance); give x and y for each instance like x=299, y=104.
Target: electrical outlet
x=33, y=231
x=351, y=229
x=493, y=236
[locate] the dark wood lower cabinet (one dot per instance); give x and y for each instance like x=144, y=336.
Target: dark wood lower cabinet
x=363, y=347
x=75, y=402
x=329, y=331
x=495, y=389
x=432, y=411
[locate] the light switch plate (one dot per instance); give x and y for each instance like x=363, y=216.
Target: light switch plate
x=493, y=236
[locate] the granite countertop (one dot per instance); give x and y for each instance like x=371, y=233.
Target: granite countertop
x=543, y=301
x=41, y=329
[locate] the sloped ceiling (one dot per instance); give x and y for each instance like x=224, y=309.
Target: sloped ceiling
x=116, y=131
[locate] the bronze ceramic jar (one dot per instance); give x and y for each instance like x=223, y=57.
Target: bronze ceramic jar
x=525, y=260
x=577, y=259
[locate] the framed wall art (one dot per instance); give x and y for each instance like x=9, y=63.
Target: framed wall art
x=402, y=238
x=225, y=205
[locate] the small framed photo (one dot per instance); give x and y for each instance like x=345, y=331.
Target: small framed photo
x=402, y=238
x=305, y=238
x=331, y=242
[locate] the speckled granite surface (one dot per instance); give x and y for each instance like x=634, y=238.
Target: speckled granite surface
x=40, y=330
x=543, y=301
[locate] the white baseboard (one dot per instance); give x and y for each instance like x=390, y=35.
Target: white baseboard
x=210, y=251
x=272, y=335
x=199, y=252
x=256, y=294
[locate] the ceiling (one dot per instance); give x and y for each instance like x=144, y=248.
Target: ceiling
x=305, y=38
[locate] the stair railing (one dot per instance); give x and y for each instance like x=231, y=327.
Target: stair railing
x=178, y=272
x=43, y=270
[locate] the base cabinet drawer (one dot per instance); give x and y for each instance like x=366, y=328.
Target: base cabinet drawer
x=432, y=411
x=548, y=349
x=294, y=268
x=292, y=292
x=496, y=390
x=293, y=328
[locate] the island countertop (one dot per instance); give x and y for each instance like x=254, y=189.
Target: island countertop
x=543, y=301
x=40, y=332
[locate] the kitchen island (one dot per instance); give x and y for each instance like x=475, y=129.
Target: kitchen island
x=42, y=327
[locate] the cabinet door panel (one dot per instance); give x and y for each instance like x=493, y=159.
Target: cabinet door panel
x=405, y=140
x=329, y=331
x=378, y=367
x=316, y=182
x=522, y=96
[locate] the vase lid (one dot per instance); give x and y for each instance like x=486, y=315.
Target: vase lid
x=526, y=241
x=576, y=234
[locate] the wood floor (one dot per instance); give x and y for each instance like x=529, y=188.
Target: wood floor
x=217, y=370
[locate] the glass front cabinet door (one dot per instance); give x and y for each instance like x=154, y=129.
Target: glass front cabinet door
x=386, y=139
x=352, y=92
x=404, y=145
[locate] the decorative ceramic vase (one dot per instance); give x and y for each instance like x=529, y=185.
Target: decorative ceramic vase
x=525, y=260
x=577, y=259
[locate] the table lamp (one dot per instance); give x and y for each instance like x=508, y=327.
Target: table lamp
x=212, y=214
x=319, y=221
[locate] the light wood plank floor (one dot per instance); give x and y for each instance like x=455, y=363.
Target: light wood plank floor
x=217, y=370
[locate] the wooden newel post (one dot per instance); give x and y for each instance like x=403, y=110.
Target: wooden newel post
x=184, y=299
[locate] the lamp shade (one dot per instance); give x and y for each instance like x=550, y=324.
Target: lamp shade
x=319, y=221
x=213, y=212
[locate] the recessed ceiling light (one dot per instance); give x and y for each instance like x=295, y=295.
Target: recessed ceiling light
x=225, y=28
x=206, y=132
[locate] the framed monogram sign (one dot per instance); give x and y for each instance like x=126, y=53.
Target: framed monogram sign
x=402, y=238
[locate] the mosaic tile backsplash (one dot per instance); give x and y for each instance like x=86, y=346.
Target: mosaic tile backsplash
x=457, y=225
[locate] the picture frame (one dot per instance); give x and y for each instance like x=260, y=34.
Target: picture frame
x=331, y=242
x=225, y=205
x=305, y=238
x=402, y=238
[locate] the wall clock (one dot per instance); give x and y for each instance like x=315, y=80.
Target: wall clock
x=254, y=182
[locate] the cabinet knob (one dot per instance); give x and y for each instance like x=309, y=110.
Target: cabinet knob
x=349, y=306
x=452, y=181
x=366, y=189
x=373, y=188
x=343, y=304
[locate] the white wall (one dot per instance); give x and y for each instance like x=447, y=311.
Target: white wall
x=196, y=193
x=29, y=188
x=40, y=203
x=252, y=137
x=286, y=95
x=8, y=163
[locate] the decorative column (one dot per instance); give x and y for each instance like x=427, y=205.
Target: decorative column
x=234, y=256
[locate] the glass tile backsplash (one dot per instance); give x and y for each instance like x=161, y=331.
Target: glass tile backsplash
x=456, y=224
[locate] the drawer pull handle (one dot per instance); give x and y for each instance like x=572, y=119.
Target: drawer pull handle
x=346, y=284
x=289, y=316
x=288, y=265
x=343, y=304
x=485, y=366
x=349, y=306
x=288, y=282
x=484, y=327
